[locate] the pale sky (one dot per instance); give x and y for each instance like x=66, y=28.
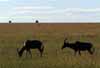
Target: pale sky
x=50, y=10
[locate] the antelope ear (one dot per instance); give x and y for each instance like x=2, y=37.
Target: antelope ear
x=65, y=39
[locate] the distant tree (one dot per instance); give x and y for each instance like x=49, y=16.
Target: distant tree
x=36, y=21
x=10, y=21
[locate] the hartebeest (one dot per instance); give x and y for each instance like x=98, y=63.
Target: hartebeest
x=79, y=46
x=31, y=44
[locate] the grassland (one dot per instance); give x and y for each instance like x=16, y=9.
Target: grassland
x=12, y=37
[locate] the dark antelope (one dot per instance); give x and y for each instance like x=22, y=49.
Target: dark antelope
x=31, y=44
x=79, y=46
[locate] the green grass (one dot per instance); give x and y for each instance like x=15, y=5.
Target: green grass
x=53, y=56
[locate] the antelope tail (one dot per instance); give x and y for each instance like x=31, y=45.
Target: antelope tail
x=42, y=48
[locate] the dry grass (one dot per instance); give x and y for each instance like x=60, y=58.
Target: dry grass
x=12, y=37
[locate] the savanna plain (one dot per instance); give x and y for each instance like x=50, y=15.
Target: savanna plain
x=12, y=36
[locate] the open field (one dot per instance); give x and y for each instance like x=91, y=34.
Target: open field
x=12, y=37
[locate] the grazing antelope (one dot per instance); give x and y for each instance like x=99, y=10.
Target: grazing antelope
x=31, y=44
x=79, y=46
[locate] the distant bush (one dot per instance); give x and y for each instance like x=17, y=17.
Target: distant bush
x=36, y=21
x=10, y=21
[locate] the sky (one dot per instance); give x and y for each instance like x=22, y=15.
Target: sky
x=50, y=10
